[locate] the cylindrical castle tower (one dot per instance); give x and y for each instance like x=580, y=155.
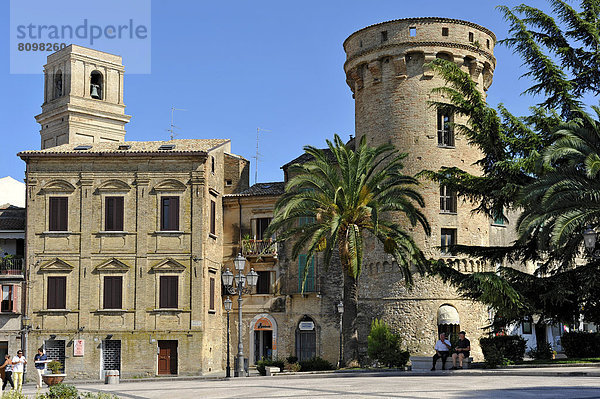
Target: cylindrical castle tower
x=386, y=69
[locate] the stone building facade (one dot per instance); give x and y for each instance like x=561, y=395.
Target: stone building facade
x=391, y=82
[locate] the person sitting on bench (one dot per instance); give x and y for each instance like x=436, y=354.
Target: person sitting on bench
x=462, y=351
x=442, y=350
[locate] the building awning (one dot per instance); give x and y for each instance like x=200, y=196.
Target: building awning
x=12, y=234
x=447, y=315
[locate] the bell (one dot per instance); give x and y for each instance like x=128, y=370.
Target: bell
x=95, y=91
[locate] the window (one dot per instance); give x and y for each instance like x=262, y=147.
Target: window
x=228, y=182
x=113, y=214
x=471, y=37
x=527, y=327
x=444, y=128
x=212, y=165
x=113, y=292
x=448, y=200
x=263, y=286
x=169, y=213
x=213, y=217
x=412, y=31
x=448, y=239
x=8, y=298
x=261, y=226
x=487, y=43
x=58, y=214
x=58, y=84
x=96, y=85
x=444, y=31
x=168, y=292
x=57, y=292
x=211, y=300
x=384, y=36
x=309, y=283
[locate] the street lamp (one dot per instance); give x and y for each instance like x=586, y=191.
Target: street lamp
x=340, y=309
x=228, y=304
x=240, y=288
x=589, y=240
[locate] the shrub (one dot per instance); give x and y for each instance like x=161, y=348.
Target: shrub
x=12, y=394
x=294, y=367
x=385, y=346
x=543, y=352
x=315, y=364
x=581, y=344
x=55, y=366
x=262, y=364
x=502, y=349
x=62, y=391
x=291, y=359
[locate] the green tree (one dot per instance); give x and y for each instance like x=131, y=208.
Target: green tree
x=386, y=346
x=358, y=195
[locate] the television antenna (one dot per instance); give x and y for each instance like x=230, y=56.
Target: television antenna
x=173, y=127
x=257, y=156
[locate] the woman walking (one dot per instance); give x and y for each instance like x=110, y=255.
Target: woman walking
x=7, y=368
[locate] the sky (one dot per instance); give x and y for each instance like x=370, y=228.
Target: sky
x=235, y=66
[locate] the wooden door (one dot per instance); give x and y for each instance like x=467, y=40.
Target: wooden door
x=167, y=357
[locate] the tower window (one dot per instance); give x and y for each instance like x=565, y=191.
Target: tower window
x=444, y=31
x=360, y=44
x=448, y=239
x=487, y=43
x=412, y=31
x=212, y=165
x=448, y=200
x=96, y=85
x=58, y=84
x=444, y=129
x=471, y=37
x=384, y=36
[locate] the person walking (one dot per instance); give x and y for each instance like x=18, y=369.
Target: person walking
x=442, y=350
x=7, y=367
x=463, y=350
x=40, y=365
x=18, y=363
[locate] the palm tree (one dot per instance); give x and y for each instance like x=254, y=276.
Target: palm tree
x=347, y=195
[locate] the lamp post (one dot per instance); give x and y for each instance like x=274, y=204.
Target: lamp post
x=228, y=304
x=589, y=240
x=340, y=309
x=240, y=288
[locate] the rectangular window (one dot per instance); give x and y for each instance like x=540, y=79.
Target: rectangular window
x=168, y=292
x=471, y=37
x=448, y=239
x=309, y=283
x=499, y=219
x=211, y=300
x=487, y=43
x=444, y=31
x=261, y=226
x=58, y=214
x=7, y=304
x=448, y=200
x=527, y=327
x=113, y=292
x=412, y=31
x=113, y=213
x=169, y=213
x=213, y=217
x=57, y=293
x=263, y=286
x=384, y=36
x=212, y=165
x=444, y=128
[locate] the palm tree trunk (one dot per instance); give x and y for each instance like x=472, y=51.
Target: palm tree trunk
x=349, y=327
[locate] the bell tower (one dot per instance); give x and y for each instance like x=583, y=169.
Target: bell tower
x=83, y=98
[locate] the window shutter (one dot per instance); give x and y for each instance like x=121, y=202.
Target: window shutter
x=213, y=217
x=164, y=293
x=62, y=292
x=118, y=292
x=175, y=213
x=63, y=214
x=51, y=299
x=53, y=214
x=16, y=299
x=108, y=215
x=212, y=294
x=119, y=213
x=301, y=265
x=163, y=215
x=173, y=292
x=107, y=293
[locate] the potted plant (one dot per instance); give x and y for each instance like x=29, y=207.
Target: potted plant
x=55, y=377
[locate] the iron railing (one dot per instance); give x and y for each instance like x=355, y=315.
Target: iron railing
x=263, y=248
x=11, y=266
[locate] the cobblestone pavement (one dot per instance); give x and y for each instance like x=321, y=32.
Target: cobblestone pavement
x=492, y=385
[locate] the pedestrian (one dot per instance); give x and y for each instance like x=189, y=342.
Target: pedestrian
x=463, y=350
x=40, y=365
x=18, y=363
x=442, y=350
x=7, y=367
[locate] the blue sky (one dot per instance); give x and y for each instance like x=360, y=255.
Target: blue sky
x=238, y=65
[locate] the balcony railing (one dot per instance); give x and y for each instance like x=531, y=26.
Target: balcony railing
x=259, y=248
x=11, y=267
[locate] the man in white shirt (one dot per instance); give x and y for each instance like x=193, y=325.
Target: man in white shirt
x=442, y=350
x=19, y=363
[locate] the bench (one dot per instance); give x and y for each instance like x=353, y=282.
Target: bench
x=421, y=363
x=272, y=370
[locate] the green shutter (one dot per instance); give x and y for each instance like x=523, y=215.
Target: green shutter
x=309, y=284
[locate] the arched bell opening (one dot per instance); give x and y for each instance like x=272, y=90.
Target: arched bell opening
x=96, y=85
x=58, y=84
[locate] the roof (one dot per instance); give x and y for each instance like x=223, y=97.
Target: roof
x=12, y=217
x=262, y=189
x=12, y=191
x=181, y=147
x=307, y=157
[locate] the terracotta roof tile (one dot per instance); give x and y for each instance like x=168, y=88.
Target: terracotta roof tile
x=259, y=189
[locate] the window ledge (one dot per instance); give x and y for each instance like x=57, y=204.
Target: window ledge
x=10, y=313
x=57, y=233
x=213, y=236
x=169, y=232
x=113, y=311
x=449, y=213
x=169, y=310
x=113, y=233
x=212, y=311
x=57, y=311
x=498, y=225
x=447, y=146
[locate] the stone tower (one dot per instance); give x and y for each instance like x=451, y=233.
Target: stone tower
x=83, y=98
x=387, y=71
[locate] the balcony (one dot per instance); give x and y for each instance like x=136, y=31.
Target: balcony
x=259, y=249
x=11, y=268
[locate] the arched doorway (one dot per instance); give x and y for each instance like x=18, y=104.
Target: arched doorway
x=306, y=339
x=448, y=320
x=263, y=338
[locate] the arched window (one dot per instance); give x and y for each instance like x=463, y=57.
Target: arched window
x=306, y=339
x=96, y=85
x=58, y=84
